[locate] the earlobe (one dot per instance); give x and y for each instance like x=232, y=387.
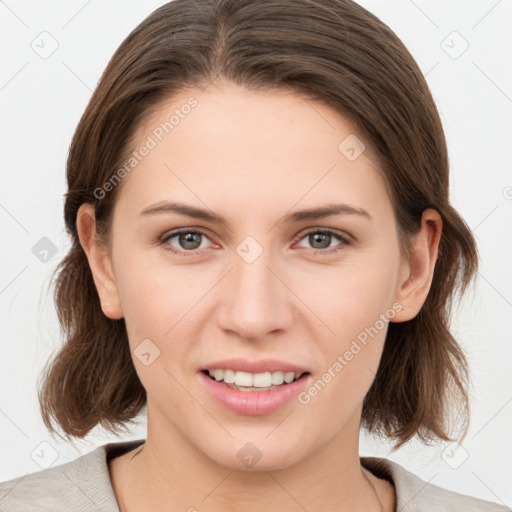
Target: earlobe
x=99, y=262
x=417, y=274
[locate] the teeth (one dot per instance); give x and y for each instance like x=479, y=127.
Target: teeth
x=257, y=380
x=227, y=375
x=244, y=379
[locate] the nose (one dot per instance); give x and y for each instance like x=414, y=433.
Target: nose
x=257, y=298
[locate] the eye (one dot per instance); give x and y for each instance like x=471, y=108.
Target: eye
x=187, y=238
x=322, y=238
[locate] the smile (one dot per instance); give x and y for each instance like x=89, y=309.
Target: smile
x=265, y=380
x=253, y=400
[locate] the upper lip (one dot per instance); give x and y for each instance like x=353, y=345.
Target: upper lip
x=261, y=366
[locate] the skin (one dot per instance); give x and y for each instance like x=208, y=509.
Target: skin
x=253, y=157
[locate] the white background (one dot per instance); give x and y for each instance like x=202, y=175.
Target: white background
x=42, y=101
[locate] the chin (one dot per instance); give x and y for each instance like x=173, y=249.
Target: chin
x=255, y=457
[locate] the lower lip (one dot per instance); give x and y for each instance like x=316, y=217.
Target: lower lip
x=254, y=403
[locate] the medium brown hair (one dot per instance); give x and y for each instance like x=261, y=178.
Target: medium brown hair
x=330, y=50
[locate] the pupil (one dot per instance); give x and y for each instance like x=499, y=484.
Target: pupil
x=187, y=238
x=321, y=237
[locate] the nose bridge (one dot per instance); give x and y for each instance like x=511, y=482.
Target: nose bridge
x=251, y=273
x=257, y=300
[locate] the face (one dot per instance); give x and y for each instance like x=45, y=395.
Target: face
x=310, y=292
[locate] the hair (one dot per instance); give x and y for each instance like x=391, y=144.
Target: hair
x=333, y=51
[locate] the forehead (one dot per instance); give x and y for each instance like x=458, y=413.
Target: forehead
x=252, y=150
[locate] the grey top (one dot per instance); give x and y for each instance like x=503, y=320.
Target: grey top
x=84, y=485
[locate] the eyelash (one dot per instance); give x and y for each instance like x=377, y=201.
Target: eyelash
x=343, y=239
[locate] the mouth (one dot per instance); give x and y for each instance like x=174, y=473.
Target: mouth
x=254, y=387
x=249, y=382
x=254, y=394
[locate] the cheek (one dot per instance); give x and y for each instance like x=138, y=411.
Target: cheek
x=354, y=301
x=356, y=307
x=350, y=297
x=155, y=300
x=151, y=295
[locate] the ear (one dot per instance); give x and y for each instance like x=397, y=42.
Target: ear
x=416, y=276
x=99, y=262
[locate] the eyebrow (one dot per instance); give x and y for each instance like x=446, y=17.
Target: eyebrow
x=215, y=218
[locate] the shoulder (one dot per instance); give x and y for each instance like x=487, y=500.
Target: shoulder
x=81, y=485
x=416, y=495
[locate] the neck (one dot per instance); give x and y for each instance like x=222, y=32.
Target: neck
x=170, y=473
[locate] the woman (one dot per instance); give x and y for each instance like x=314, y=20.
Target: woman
x=264, y=254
